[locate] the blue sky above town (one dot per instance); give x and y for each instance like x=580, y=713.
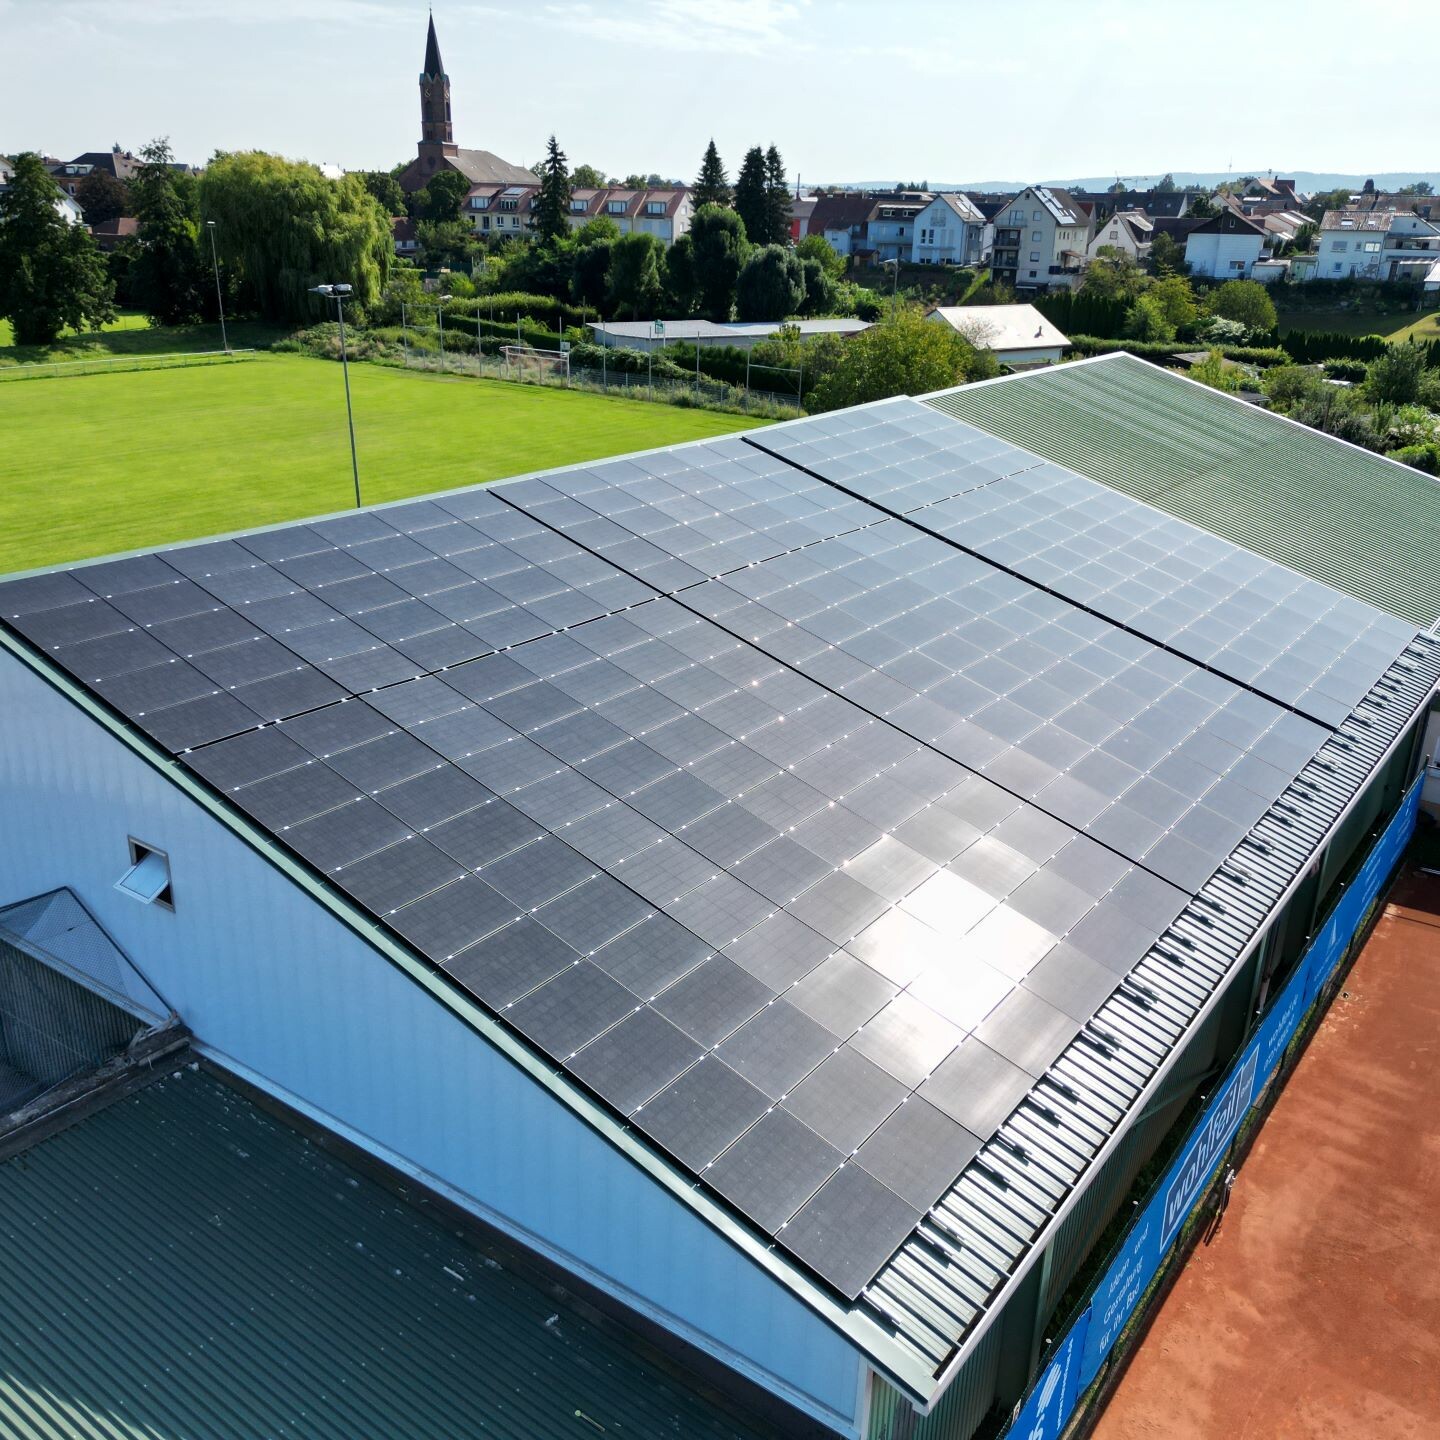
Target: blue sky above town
x=857, y=90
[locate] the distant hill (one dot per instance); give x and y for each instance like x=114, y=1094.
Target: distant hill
x=1306, y=180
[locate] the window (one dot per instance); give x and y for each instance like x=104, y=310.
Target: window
x=1340, y=246
x=508, y=204
x=484, y=222
x=1034, y=258
x=1037, y=217
x=148, y=878
x=1032, y=274
x=578, y=206
x=1336, y=267
x=480, y=202
x=1371, y=246
x=514, y=222
x=616, y=207
x=654, y=207
x=1035, y=237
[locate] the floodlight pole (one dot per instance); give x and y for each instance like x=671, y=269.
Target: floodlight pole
x=337, y=293
x=219, y=299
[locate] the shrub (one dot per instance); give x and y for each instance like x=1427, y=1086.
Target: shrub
x=1247, y=301
x=1286, y=386
x=1344, y=369
x=1217, y=373
x=1394, y=377
x=1421, y=457
x=1146, y=320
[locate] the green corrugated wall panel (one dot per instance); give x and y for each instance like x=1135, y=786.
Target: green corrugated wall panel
x=967, y=1400
x=1341, y=515
x=181, y=1266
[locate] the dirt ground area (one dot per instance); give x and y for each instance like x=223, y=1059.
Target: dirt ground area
x=1315, y=1309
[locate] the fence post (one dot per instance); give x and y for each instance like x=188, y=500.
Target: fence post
x=404, y=336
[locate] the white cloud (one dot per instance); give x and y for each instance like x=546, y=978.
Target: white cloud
x=735, y=27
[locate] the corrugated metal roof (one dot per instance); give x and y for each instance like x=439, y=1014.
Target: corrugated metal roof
x=1336, y=513
x=182, y=1264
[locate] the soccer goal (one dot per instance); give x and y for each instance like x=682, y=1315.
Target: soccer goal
x=526, y=362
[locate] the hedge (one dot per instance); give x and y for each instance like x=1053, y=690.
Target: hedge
x=1168, y=349
x=1311, y=347
x=508, y=304
x=1091, y=315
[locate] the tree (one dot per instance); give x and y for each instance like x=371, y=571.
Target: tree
x=771, y=284
x=821, y=295
x=1394, y=378
x=1146, y=320
x=1202, y=207
x=819, y=249
x=102, y=197
x=634, y=182
x=1247, y=301
x=680, y=283
x=1165, y=185
x=442, y=198
x=587, y=177
x=712, y=185
x=635, y=286
x=170, y=280
x=552, y=205
x=445, y=244
x=284, y=227
x=1215, y=372
x=718, y=245
x=1113, y=275
x=1176, y=301
x=1420, y=187
x=594, y=253
x=777, y=199
x=1325, y=200
x=752, y=202
x=1167, y=255
x=1287, y=386
x=907, y=356
x=51, y=274
x=386, y=189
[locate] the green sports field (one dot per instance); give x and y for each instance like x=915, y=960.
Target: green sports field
x=94, y=464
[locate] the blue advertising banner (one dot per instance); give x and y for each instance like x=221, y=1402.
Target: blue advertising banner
x=1052, y=1401
x=1089, y=1341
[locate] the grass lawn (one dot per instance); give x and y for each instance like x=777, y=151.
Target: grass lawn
x=100, y=463
x=1405, y=326
x=132, y=334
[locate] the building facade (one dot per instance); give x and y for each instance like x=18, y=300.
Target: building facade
x=950, y=230
x=1224, y=247
x=1376, y=245
x=1041, y=239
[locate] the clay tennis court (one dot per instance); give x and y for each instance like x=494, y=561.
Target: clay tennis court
x=1315, y=1311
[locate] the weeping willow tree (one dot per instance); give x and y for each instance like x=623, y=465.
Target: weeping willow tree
x=286, y=227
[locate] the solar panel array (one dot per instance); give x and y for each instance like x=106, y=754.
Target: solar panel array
x=1253, y=621
x=801, y=837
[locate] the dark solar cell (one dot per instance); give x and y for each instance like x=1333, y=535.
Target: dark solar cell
x=631, y=1061
x=842, y=994
x=849, y=1229
x=248, y=757
x=976, y=1087
x=295, y=795
x=907, y=1040
x=538, y=872
x=918, y=1152
x=702, y=1112
x=197, y=722
x=844, y=1098
x=712, y=1000
x=345, y=833
x=777, y=1048
x=773, y=1168
x=395, y=876
x=509, y=962
x=443, y=923
x=573, y=1008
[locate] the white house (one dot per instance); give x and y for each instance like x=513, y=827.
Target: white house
x=707, y=334
x=1376, y=245
x=1015, y=334
x=890, y=226
x=496, y=210
x=1224, y=247
x=950, y=230
x=1041, y=239
x=1130, y=231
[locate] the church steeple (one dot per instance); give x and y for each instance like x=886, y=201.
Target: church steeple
x=435, y=128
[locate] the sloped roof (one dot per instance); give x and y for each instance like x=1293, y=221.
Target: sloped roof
x=294, y=1295
x=1337, y=513
x=1003, y=327
x=808, y=798
x=481, y=167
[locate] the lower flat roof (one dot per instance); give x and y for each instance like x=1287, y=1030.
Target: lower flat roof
x=182, y=1263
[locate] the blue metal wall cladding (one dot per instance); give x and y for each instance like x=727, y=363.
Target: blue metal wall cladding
x=1078, y=1357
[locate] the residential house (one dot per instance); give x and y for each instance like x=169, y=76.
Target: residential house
x=497, y=211
x=1225, y=247
x=1376, y=245
x=950, y=230
x=402, y=230
x=842, y=219
x=1130, y=231
x=110, y=233
x=1157, y=204
x=1266, y=195
x=66, y=205
x=1041, y=239
x=120, y=164
x=1015, y=334
x=891, y=224
x=802, y=207
x=437, y=150
x=1425, y=206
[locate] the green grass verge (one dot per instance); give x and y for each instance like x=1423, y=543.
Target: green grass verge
x=1407, y=326
x=133, y=335
x=114, y=462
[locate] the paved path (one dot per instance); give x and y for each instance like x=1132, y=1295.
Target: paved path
x=1315, y=1311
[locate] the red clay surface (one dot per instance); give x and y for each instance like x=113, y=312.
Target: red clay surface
x=1315, y=1311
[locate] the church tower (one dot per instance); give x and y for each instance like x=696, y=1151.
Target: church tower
x=437, y=137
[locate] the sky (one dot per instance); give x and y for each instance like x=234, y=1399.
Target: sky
x=850, y=90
